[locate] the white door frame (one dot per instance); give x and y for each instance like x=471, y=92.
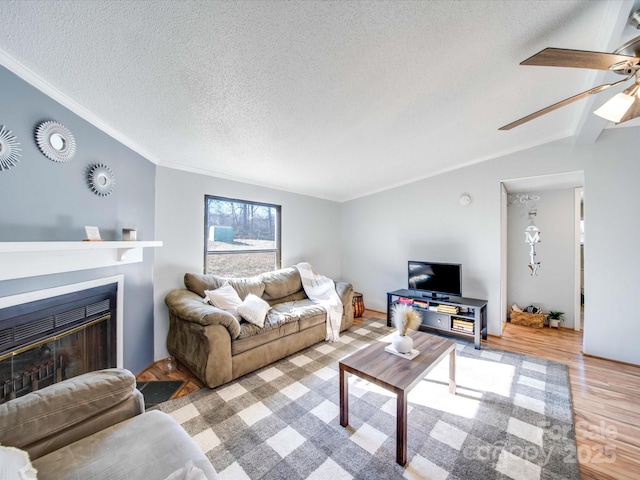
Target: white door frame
x=577, y=261
x=503, y=256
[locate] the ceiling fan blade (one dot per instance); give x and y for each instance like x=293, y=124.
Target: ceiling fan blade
x=555, y=106
x=562, y=57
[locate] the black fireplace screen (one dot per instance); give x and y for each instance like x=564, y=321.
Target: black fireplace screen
x=50, y=340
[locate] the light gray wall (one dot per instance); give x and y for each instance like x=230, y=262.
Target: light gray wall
x=553, y=287
x=310, y=232
x=41, y=200
x=611, y=254
x=423, y=220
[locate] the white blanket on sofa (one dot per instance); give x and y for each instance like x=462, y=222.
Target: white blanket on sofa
x=322, y=290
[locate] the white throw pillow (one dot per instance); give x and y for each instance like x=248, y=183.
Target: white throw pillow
x=15, y=464
x=254, y=310
x=225, y=298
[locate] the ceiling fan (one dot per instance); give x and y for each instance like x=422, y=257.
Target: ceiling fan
x=625, y=61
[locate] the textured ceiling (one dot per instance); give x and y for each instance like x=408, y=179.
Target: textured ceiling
x=334, y=99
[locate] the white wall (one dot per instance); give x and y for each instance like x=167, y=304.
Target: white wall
x=310, y=232
x=553, y=287
x=611, y=253
x=423, y=220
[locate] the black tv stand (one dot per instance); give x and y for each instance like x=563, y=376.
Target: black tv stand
x=435, y=296
x=455, y=315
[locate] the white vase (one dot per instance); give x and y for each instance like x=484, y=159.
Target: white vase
x=402, y=343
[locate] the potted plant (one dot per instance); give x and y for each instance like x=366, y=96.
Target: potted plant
x=404, y=318
x=555, y=317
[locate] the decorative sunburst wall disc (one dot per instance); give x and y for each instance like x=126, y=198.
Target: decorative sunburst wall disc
x=101, y=179
x=55, y=141
x=9, y=149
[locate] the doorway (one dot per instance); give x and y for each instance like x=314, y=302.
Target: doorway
x=557, y=282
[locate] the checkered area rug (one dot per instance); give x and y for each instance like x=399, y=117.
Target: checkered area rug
x=510, y=418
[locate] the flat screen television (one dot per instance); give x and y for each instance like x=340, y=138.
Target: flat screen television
x=436, y=279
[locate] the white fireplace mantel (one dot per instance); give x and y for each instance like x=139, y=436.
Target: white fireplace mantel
x=30, y=259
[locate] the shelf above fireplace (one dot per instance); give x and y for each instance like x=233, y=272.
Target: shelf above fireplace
x=30, y=259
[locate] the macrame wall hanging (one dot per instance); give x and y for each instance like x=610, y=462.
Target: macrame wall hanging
x=532, y=236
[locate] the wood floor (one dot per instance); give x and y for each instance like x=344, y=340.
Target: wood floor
x=605, y=394
x=157, y=372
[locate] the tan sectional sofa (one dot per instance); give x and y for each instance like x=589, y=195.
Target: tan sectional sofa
x=217, y=347
x=94, y=426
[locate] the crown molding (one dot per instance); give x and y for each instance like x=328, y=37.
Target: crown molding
x=35, y=80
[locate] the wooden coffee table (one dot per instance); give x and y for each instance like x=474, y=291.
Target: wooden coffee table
x=398, y=375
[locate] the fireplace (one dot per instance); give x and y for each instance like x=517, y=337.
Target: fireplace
x=49, y=339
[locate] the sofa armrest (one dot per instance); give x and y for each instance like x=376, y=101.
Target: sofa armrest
x=345, y=292
x=189, y=307
x=55, y=416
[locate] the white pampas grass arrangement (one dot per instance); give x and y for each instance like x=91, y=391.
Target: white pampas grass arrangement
x=405, y=318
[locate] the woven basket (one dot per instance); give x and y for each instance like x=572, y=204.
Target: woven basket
x=358, y=305
x=535, y=320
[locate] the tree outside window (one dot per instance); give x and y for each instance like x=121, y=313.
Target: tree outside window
x=242, y=238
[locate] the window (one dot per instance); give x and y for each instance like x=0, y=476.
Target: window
x=242, y=239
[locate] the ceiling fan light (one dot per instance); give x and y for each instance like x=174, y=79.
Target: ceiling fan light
x=634, y=19
x=614, y=110
x=633, y=112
